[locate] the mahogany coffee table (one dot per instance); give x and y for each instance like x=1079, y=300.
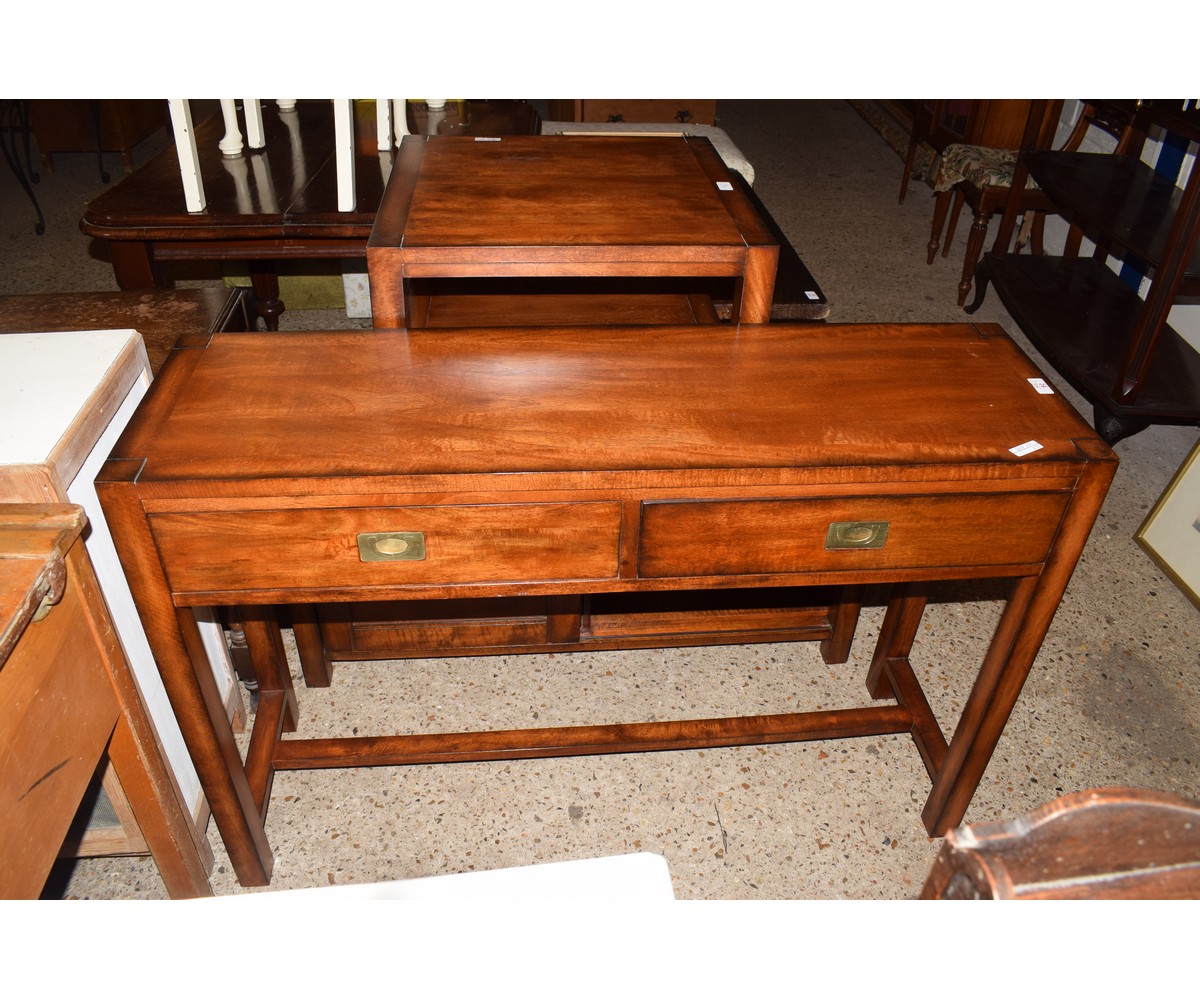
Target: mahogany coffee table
x=603, y=206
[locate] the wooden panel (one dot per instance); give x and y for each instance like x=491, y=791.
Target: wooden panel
x=301, y=549
x=1104, y=843
x=781, y=536
x=48, y=747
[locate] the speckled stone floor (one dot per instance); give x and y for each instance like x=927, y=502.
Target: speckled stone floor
x=1112, y=698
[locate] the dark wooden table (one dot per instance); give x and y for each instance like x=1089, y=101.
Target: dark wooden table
x=269, y=469
x=551, y=207
x=277, y=204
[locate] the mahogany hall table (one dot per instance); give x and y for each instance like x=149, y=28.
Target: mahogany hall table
x=268, y=469
x=602, y=206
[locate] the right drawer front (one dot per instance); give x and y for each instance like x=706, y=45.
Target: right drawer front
x=751, y=537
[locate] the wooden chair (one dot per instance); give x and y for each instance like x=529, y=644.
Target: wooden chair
x=982, y=176
x=1106, y=843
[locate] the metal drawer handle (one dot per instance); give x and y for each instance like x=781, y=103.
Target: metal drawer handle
x=391, y=546
x=856, y=535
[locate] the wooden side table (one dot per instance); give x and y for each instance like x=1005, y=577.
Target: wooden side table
x=68, y=700
x=553, y=207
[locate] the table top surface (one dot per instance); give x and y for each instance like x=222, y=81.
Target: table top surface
x=50, y=383
x=563, y=191
x=598, y=405
x=159, y=315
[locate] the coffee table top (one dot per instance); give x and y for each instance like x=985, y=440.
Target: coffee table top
x=598, y=196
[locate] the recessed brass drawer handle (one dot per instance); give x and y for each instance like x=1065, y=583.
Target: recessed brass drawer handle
x=391, y=546
x=856, y=535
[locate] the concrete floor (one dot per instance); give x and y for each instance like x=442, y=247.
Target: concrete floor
x=1112, y=699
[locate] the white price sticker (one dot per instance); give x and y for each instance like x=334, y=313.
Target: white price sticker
x=1026, y=448
x=724, y=186
x=1041, y=386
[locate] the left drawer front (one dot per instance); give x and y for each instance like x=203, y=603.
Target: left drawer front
x=241, y=551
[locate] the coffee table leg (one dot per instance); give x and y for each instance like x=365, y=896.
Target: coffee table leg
x=755, y=289
x=133, y=265
x=267, y=303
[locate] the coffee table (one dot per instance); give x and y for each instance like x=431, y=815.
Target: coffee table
x=564, y=207
x=292, y=468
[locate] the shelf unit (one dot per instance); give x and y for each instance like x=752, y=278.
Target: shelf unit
x=1114, y=346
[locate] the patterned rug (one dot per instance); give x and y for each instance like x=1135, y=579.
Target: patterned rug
x=877, y=115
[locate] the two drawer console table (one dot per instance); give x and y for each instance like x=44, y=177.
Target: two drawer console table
x=267, y=470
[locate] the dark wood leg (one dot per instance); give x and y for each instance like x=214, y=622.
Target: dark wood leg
x=941, y=205
x=909, y=159
x=952, y=227
x=267, y=303
x=1074, y=242
x=133, y=265
x=99, y=143
x=974, y=249
x=983, y=277
x=1038, y=233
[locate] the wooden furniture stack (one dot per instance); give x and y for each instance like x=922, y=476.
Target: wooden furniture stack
x=1114, y=347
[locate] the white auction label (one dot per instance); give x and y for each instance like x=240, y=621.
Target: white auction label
x=724, y=186
x=1042, y=386
x=1026, y=448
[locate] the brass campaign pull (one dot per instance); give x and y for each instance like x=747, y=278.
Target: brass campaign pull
x=856, y=535
x=391, y=546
